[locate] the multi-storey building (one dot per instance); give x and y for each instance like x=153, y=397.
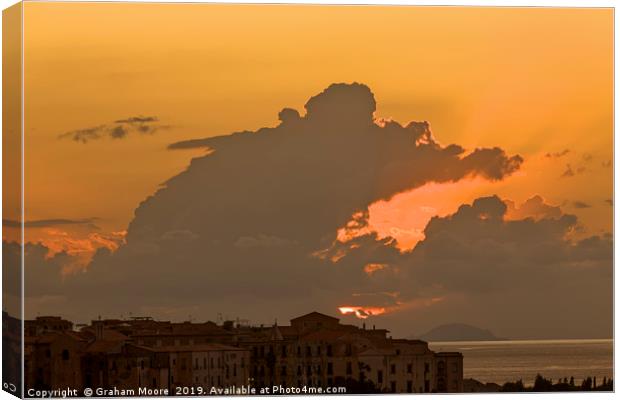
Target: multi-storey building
x=316, y=350
x=42, y=325
x=53, y=360
x=449, y=367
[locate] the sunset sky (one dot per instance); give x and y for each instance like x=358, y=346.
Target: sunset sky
x=534, y=82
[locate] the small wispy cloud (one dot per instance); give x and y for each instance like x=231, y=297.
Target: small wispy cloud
x=119, y=129
x=136, y=120
x=569, y=172
x=558, y=154
x=581, y=204
x=47, y=223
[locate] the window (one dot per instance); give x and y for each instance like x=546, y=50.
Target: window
x=329, y=350
x=283, y=351
x=409, y=387
x=330, y=368
x=318, y=350
x=234, y=369
x=349, y=368
x=393, y=369
x=441, y=367
x=409, y=368
x=308, y=351
x=393, y=386
x=283, y=370
x=380, y=376
x=65, y=355
x=299, y=370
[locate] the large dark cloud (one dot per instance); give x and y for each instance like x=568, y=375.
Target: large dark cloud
x=250, y=228
x=44, y=289
x=525, y=268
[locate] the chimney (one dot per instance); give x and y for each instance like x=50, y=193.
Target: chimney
x=98, y=325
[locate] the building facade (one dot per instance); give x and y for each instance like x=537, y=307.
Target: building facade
x=314, y=350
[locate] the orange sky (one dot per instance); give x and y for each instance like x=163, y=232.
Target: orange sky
x=528, y=80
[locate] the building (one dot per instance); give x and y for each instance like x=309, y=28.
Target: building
x=449, y=367
x=315, y=350
x=204, y=365
x=53, y=360
x=42, y=325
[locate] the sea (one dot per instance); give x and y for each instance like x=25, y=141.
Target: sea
x=511, y=360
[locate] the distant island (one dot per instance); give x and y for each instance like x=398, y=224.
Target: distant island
x=456, y=333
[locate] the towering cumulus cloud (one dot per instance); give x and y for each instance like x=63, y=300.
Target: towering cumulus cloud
x=250, y=229
x=306, y=177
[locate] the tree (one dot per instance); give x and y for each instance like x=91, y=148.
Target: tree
x=586, y=384
x=542, y=385
x=516, y=386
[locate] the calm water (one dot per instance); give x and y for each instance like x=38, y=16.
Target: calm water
x=510, y=360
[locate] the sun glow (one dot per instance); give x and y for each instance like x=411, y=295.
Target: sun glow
x=362, y=312
x=80, y=247
x=405, y=216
